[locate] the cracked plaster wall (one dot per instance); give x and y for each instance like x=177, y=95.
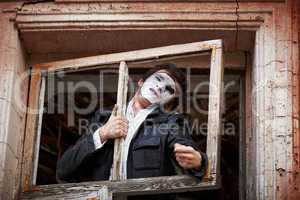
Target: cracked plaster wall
x=12, y=118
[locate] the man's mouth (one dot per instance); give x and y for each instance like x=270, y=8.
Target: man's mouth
x=152, y=90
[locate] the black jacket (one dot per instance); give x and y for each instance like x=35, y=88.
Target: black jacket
x=150, y=152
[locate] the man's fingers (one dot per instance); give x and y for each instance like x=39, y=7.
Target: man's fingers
x=176, y=145
x=124, y=134
x=117, y=126
x=185, y=155
x=120, y=132
x=119, y=123
x=120, y=119
x=122, y=126
x=178, y=148
x=185, y=149
x=121, y=129
x=185, y=164
x=182, y=160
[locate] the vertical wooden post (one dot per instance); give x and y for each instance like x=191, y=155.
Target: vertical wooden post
x=121, y=103
x=215, y=110
x=39, y=129
x=31, y=124
x=105, y=194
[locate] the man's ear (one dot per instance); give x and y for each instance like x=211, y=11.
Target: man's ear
x=140, y=83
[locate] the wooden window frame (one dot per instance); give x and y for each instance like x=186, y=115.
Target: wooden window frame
x=141, y=186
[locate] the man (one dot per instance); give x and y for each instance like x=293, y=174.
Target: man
x=156, y=142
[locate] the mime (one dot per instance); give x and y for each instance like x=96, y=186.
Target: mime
x=157, y=140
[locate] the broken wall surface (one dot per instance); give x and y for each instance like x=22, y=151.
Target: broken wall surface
x=12, y=94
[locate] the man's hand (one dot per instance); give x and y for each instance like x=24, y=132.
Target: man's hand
x=187, y=156
x=115, y=127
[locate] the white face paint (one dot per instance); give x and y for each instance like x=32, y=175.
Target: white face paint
x=158, y=88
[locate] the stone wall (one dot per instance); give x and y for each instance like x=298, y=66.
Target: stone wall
x=12, y=117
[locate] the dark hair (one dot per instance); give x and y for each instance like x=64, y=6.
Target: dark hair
x=176, y=74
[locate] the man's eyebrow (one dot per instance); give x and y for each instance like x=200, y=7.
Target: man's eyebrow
x=157, y=77
x=160, y=76
x=169, y=75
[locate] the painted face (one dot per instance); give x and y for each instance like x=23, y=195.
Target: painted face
x=158, y=88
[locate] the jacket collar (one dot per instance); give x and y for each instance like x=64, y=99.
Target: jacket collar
x=158, y=113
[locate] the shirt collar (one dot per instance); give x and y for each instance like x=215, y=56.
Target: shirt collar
x=130, y=110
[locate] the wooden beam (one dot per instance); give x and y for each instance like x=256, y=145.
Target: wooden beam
x=215, y=110
x=39, y=129
x=30, y=130
x=121, y=103
x=234, y=60
x=200, y=60
x=131, y=56
x=142, y=186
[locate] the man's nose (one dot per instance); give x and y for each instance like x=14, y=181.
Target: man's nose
x=159, y=88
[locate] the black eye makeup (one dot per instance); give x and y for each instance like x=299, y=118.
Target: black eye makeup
x=158, y=78
x=170, y=89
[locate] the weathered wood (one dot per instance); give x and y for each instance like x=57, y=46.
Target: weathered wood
x=215, y=109
x=26, y=23
x=165, y=184
x=131, y=56
x=30, y=131
x=215, y=100
x=220, y=1
x=73, y=193
x=39, y=129
x=200, y=60
x=104, y=194
x=143, y=186
x=121, y=103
